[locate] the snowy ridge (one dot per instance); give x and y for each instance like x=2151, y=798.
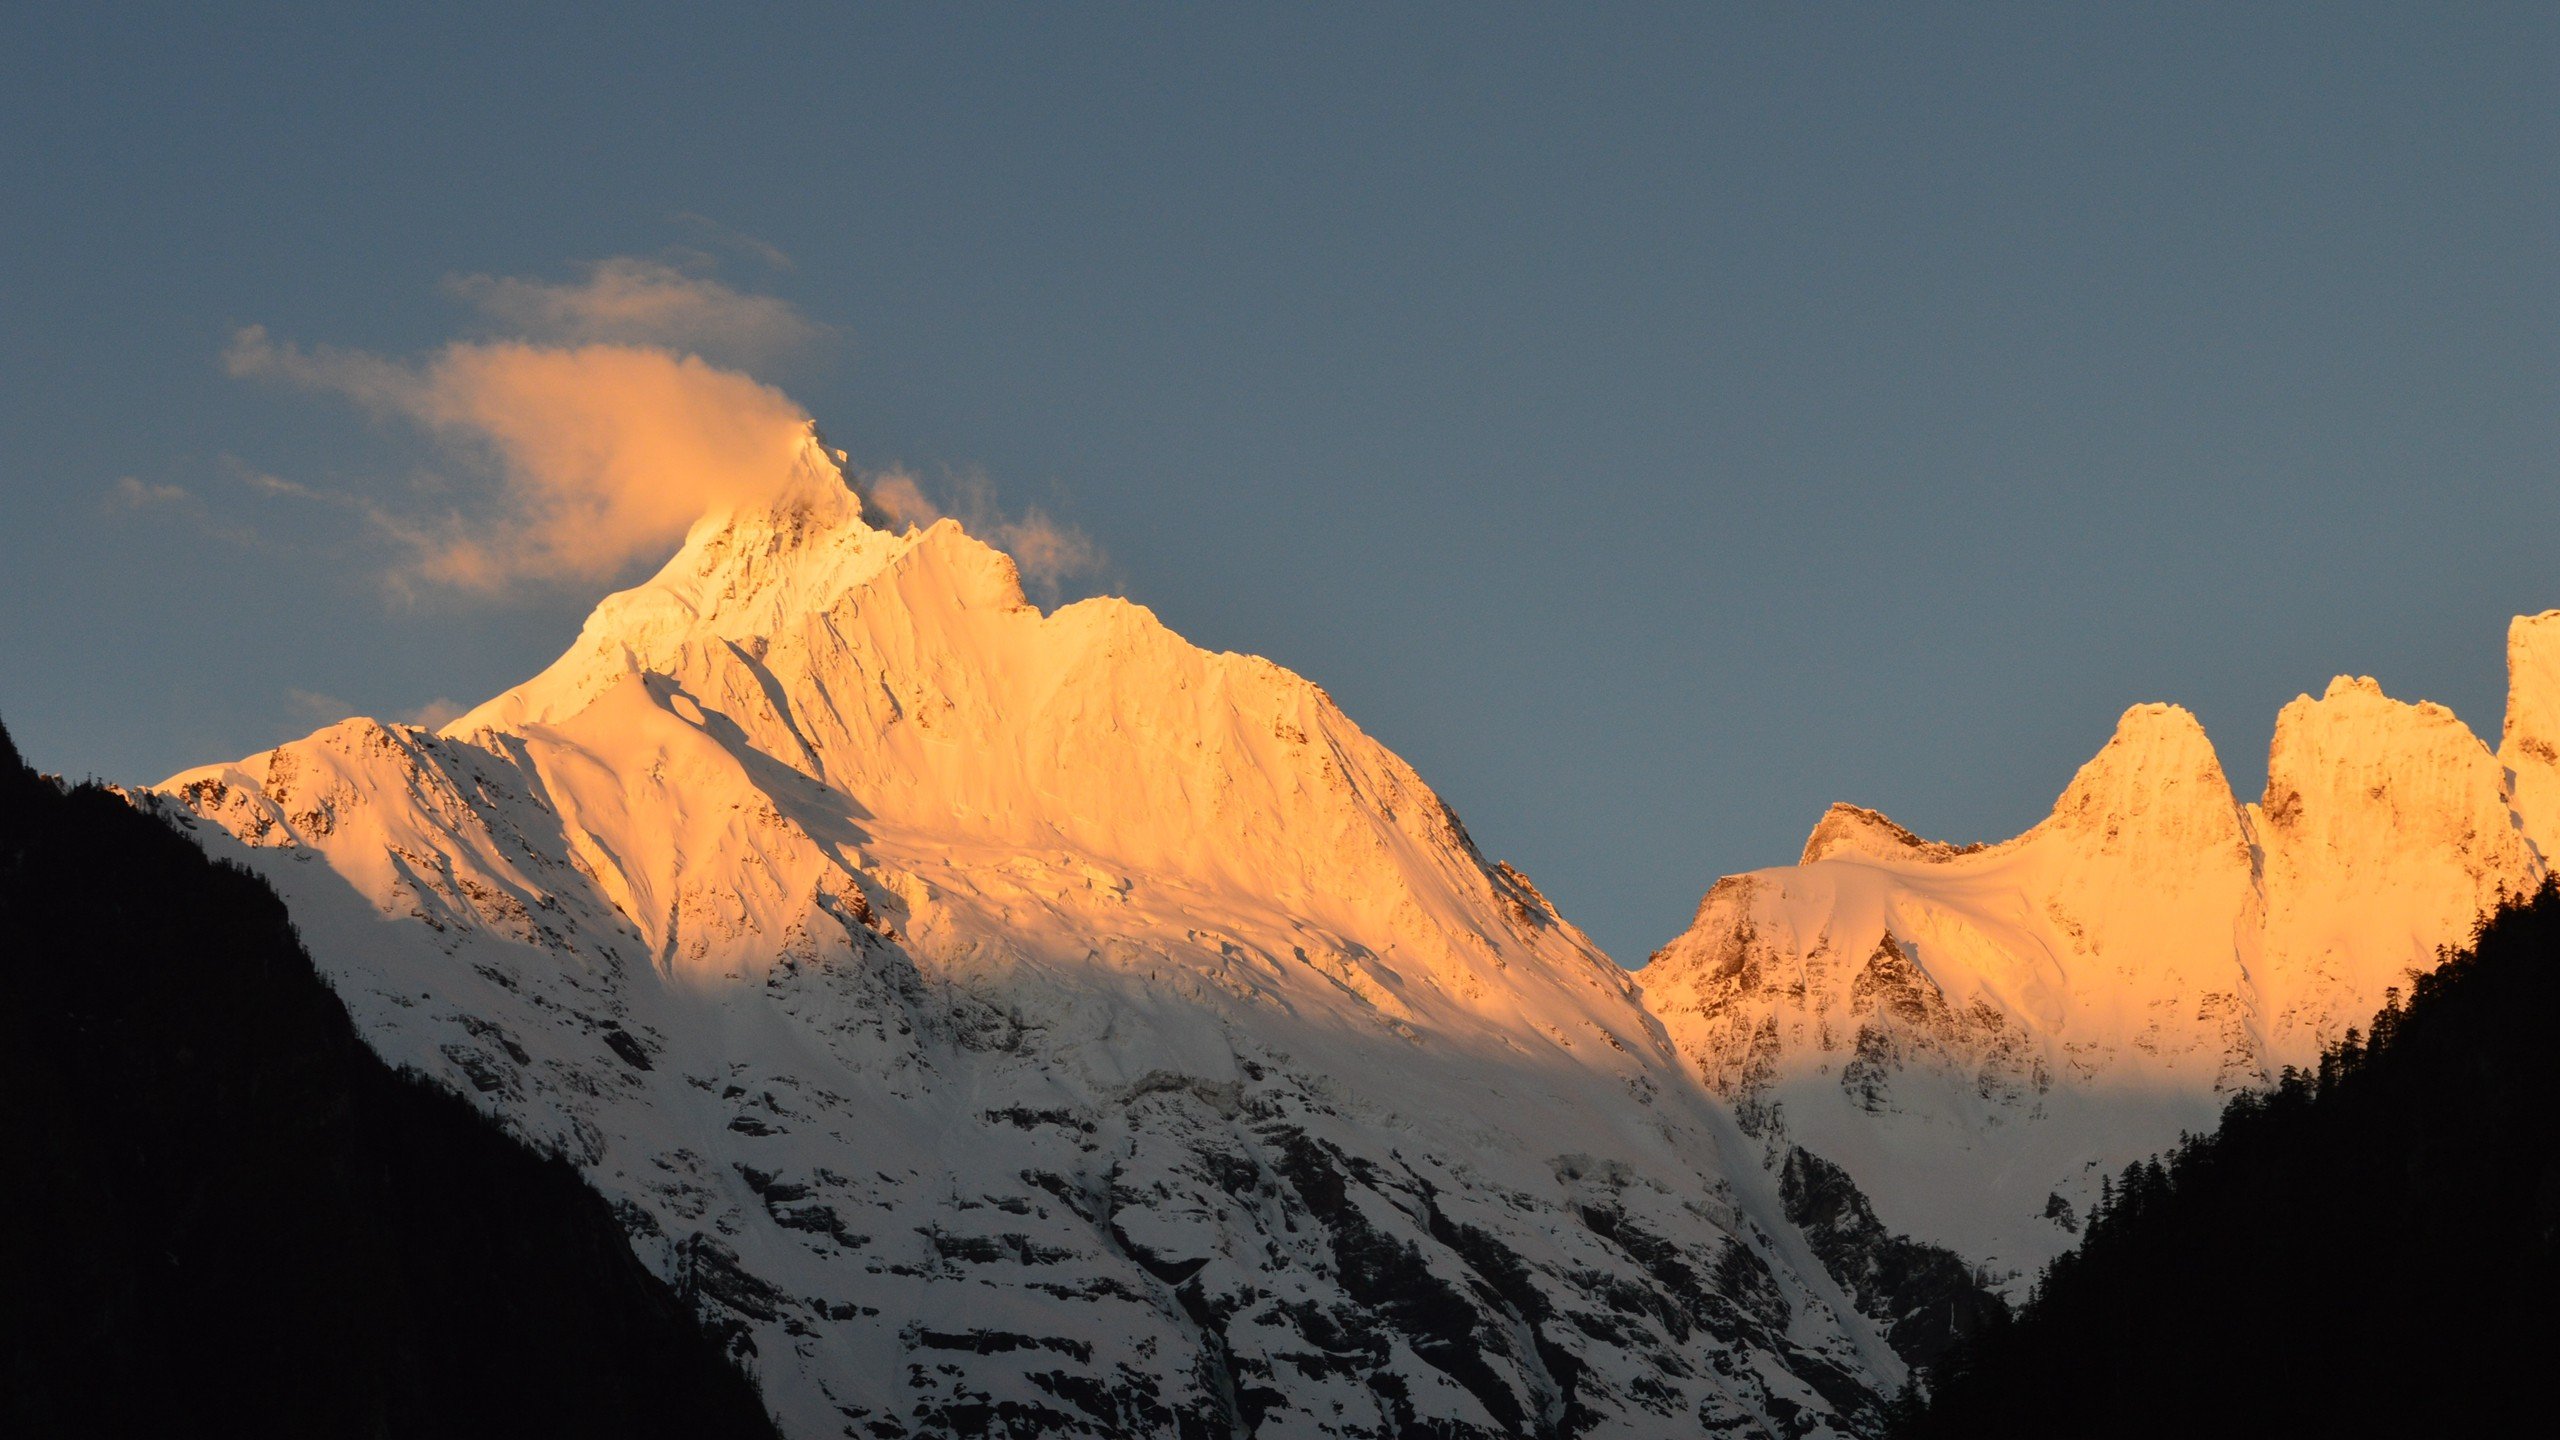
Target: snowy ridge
x=1021, y=1023
x=1977, y=1036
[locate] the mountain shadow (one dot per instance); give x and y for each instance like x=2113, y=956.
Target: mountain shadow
x=223, y=1214
x=2368, y=1248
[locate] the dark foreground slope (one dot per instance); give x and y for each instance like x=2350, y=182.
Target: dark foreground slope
x=221, y=1214
x=2366, y=1250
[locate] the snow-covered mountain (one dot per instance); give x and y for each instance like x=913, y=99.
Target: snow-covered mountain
x=1978, y=1035
x=1008, y=1022
x=1019, y=1023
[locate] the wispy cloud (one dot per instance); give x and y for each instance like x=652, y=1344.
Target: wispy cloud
x=1047, y=552
x=318, y=707
x=631, y=301
x=314, y=707
x=134, y=500
x=434, y=715
x=712, y=232
x=129, y=493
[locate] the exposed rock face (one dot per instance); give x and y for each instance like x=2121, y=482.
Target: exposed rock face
x=1019, y=1023
x=1927, y=1291
x=1977, y=1035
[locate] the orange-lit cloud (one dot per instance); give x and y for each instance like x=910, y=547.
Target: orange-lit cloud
x=602, y=454
x=631, y=301
x=597, y=432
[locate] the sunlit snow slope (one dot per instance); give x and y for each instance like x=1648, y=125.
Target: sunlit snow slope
x=1021, y=1023
x=1979, y=1035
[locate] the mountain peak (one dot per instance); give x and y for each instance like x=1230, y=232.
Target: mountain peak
x=792, y=643
x=2385, y=830
x=1857, y=830
x=2157, y=778
x=2356, y=747
x=747, y=574
x=2533, y=687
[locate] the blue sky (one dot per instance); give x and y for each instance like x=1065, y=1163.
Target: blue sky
x=1655, y=423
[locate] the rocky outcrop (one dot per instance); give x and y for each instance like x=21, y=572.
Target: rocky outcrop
x=2386, y=831
x=1926, y=1295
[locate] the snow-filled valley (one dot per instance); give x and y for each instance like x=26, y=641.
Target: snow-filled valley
x=1022, y=1023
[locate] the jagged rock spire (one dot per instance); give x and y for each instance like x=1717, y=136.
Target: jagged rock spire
x=2530, y=746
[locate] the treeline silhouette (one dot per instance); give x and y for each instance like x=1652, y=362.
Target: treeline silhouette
x=2367, y=1248
x=221, y=1214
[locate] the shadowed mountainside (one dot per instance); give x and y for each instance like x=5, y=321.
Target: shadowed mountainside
x=225, y=1214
